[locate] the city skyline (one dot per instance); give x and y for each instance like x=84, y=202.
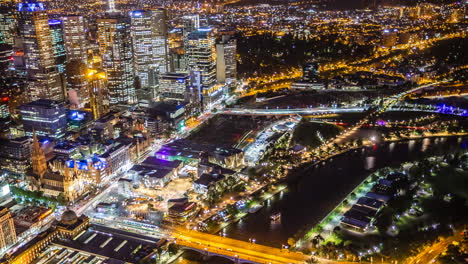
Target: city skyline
x=215, y=132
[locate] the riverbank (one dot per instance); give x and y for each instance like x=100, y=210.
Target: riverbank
x=330, y=220
x=320, y=188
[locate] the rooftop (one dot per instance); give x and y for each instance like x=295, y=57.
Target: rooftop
x=113, y=243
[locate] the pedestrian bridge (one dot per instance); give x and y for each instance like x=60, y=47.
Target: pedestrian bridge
x=235, y=250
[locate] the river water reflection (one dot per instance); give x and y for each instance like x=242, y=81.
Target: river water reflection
x=311, y=195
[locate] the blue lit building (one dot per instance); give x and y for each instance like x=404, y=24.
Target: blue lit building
x=58, y=45
x=47, y=117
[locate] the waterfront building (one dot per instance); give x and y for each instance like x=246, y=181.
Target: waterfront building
x=36, y=38
x=206, y=181
x=115, y=47
x=46, y=117
x=182, y=212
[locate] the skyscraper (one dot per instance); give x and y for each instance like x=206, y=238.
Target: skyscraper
x=58, y=44
x=149, y=38
x=7, y=23
x=7, y=228
x=74, y=36
x=42, y=74
x=77, y=83
x=191, y=23
x=226, y=64
x=115, y=47
x=200, y=51
x=98, y=93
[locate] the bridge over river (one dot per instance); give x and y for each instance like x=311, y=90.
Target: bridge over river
x=235, y=250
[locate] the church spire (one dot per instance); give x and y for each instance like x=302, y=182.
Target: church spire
x=39, y=163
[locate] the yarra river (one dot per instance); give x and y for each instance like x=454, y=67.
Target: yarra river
x=311, y=194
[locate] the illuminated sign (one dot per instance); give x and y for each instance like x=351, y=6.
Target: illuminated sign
x=30, y=7
x=76, y=115
x=54, y=22
x=136, y=14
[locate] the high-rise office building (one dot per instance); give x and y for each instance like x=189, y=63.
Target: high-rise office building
x=46, y=117
x=74, y=36
x=58, y=44
x=191, y=23
x=34, y=32
x=150, y=49
x=200, y=51
x=8, y=25
x=226, y=64
x=174, y=86
x=77, y=83
x=115, y=47
x=7, y=228
x=98, y=93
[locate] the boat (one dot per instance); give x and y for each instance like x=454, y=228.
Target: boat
x=275, y=218
x=255, y=209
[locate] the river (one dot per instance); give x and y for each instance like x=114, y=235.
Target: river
x=312, y=194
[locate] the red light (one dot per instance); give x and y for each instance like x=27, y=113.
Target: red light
x=5, y=99
x=11, y=58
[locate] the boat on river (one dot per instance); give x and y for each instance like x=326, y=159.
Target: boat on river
x=255, y=208
x=276, y=218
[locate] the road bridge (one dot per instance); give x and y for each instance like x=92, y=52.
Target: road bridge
x=291, y=111
x=235, y=250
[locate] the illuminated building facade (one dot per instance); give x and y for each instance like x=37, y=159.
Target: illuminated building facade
x=46, y=117
x=35, y=34
x=174, y=86
x=200, y=51
x=150, y=49
x=191, y=23
x=15, y=155
x=7, y=228
x=77, y=83
x=74, y=36
x=98, y=94
x=8, y=25
x=226, y=64
x=58, y=44
x=115, y=47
